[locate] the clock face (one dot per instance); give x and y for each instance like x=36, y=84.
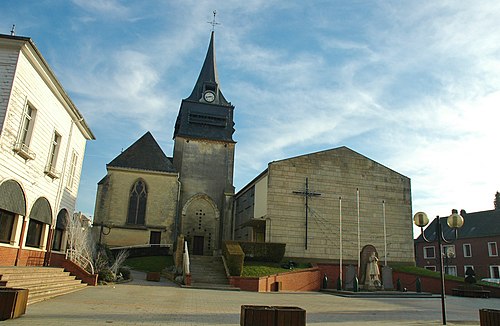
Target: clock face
x=209, y=96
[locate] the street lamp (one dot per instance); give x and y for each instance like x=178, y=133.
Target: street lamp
x=454, y=221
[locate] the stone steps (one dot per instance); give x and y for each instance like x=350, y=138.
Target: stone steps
x=42, y=282
x=208, y=272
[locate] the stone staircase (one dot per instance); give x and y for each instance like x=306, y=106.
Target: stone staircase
x=42, y=282
x=208, y=272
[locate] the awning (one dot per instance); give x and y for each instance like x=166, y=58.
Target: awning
x=12, y=198
x=41, y=211
x=62, y=219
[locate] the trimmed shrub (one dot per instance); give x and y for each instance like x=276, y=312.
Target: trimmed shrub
x=125, y=271
x=263, y=251
x=106, y=275
x=234, y=257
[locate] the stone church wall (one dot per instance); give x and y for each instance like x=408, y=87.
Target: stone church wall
x=206, y=167
x=338, y=173
x=160, y=207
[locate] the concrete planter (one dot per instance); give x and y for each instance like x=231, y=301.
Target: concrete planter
x=13, y=302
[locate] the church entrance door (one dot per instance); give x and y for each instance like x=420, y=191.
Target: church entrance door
x=198, y=242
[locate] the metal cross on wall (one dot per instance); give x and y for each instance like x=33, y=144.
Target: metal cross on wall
x=307, y=193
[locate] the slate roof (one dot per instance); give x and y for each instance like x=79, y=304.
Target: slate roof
x=476, y=225
x=144, y=154
x=203, y=120
x=208, y=74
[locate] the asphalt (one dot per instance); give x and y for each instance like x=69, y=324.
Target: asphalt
x=163, y=303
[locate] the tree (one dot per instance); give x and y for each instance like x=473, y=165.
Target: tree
x=81, y=244
x=497, y=200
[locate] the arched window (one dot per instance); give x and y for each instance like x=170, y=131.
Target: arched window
x=137, y=203
x=61, y=226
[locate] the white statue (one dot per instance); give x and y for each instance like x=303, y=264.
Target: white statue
x=372, y=272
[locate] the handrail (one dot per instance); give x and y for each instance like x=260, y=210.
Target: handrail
x=75, y=257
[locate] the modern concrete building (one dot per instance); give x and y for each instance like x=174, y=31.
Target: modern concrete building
x=327, y=205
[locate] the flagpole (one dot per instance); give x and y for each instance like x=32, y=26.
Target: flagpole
x=359, y=240
x=340, y=235
x=385, y=234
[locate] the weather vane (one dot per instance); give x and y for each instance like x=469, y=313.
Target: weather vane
x=213, y=22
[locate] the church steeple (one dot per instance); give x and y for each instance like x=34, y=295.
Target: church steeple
x=206, y=114
x=208, y=80
x=204, y=157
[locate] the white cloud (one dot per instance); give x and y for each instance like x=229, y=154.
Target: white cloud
x=412, y=85
x=108, y=7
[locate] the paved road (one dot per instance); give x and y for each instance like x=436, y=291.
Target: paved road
x=149, y=303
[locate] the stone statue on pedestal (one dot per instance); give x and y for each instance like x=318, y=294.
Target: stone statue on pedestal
x=372, y=278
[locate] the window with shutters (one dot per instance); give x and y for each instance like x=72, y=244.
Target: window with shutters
x=22, y=146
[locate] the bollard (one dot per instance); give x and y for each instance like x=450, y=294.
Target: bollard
x=325, y=281
x=418, y=285
x=355, y=284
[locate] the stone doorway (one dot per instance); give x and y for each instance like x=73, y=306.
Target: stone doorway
x=198, y=243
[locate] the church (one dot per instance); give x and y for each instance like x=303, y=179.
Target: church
x=328, y=206
x=147, y=198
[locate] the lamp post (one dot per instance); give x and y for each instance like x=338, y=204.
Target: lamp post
x=454, y=221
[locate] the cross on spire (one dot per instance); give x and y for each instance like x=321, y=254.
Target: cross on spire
x=307, y=193
x=213, y=22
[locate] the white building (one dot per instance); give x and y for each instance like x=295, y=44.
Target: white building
x=42, y=144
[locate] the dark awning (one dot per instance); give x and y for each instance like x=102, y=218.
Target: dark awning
x=12, y=197
x=62, y=220
x=41, y=211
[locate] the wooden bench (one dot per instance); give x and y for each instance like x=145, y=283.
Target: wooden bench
x=471, y=292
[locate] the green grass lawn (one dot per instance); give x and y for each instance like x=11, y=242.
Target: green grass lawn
x=149, y=264
x=258, y=269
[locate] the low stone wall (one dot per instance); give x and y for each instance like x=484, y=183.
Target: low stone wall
x=298, y=280
x=433, y=285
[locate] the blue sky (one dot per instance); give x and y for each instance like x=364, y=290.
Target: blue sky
x=414, y=85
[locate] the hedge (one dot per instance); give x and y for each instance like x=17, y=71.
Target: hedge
x=263, y=251
x=234, y=257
